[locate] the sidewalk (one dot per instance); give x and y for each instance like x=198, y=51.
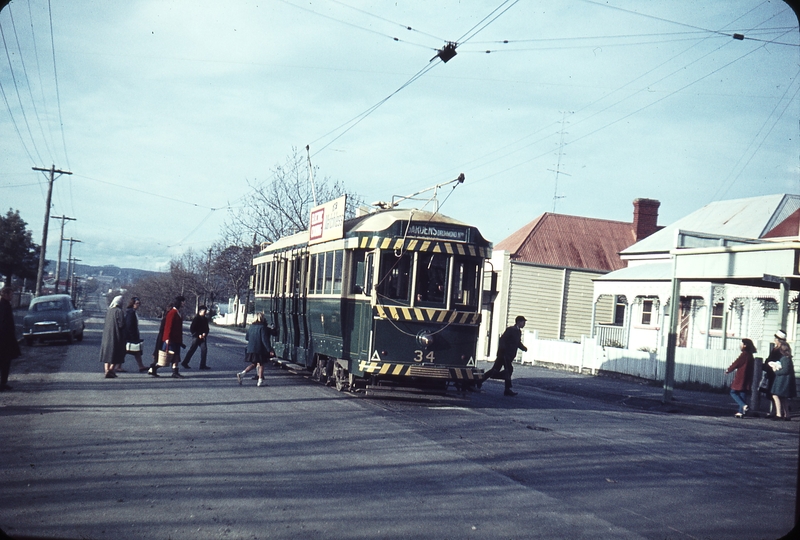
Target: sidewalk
x=646, y=396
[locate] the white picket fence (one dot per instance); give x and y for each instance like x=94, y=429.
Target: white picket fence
x=691, y=365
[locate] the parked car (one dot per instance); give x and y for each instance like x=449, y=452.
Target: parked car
x=53, y=317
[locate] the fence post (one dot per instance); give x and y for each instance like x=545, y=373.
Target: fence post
x=755, y=394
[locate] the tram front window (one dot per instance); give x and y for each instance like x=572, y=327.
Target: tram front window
x=431, y=284
x=465, y=282
x=393, y=283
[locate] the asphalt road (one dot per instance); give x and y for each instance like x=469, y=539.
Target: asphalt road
x=202, y=457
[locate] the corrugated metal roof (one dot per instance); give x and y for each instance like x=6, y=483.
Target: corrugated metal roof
x=571, y=242
x=741, y=218
x=661, y=271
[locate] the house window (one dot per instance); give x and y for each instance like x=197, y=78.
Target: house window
x=717, y=314
x=620, y=303
x=647, y=312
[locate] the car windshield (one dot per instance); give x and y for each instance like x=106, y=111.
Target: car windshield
x=49, y=305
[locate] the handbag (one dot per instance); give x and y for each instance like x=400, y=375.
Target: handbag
x=764, y=385
x=165, y=356
x=133, y=347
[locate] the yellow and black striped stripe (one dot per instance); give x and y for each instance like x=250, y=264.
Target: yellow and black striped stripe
x=429, y=372
x=413, y=244
x=397, y=313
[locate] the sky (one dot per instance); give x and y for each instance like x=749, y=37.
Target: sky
x=167, y=112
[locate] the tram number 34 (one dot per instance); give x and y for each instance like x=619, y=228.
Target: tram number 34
x=419, y=356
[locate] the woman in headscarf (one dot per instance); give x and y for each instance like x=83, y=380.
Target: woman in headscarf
x=133, y=338
x=112, y=347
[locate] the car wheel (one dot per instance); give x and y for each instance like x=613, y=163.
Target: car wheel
x=29, y=341
x=69, y=337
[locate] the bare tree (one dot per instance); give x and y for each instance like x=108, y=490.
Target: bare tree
x=235, y=265
x=282, y=205
x=190, y=270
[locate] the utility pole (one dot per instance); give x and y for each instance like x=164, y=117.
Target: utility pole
x=69, y=261
x=40, y=273
x=63, y=219
x=208, y=270
x=73, y=281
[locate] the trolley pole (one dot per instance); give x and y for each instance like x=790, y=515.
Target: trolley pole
x=63, y=219
x=40, y=273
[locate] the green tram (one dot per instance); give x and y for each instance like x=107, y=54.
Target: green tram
x=394, y=301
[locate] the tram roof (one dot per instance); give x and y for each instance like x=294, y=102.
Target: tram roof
x=374, y=222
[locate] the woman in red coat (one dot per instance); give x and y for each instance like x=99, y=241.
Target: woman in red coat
x=744, y=376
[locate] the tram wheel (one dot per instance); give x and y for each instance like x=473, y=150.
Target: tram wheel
x=339, y=376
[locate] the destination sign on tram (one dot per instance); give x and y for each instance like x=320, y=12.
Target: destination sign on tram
x=438, y=232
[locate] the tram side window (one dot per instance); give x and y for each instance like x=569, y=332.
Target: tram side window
x=431, y=284
x=320, y=273
x=338, y=264
x=312, y=273
x=393, y=283
x=270, y=277
x=465, y=282
x=328, y=273
x=358, y=272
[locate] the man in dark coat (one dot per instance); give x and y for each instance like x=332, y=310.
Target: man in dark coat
x=199, y=331
x=503, y=367
x=9, y=346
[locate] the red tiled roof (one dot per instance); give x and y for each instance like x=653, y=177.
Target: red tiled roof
x=570, y=241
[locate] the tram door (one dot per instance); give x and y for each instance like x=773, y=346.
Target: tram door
x=284, y=335
x=298, y=324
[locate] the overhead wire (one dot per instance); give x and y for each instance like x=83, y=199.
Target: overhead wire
x=39, y=75
x=27, y=81
x=436, y=61
x=19, y=97
x=55, y=76
x=404, y=26
x=506, y=154
x=370, y=30
x=756, y=136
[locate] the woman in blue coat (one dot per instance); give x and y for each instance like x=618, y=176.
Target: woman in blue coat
x=784, y=387
x=259, y=348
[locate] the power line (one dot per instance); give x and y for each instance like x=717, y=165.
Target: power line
x=19, y=96
x=27, y=81
x=55, y=75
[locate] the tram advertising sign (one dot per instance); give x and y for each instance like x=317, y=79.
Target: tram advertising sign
x=327, y=221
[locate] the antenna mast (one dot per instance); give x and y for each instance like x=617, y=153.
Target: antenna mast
x=560, y=153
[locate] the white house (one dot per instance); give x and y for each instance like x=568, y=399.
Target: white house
x=713, y=315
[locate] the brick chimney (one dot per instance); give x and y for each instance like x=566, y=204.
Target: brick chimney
x=645, y=217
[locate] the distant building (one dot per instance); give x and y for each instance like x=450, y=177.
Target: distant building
x=544, y=271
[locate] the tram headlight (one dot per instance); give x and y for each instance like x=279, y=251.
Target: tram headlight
x=425, y=339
